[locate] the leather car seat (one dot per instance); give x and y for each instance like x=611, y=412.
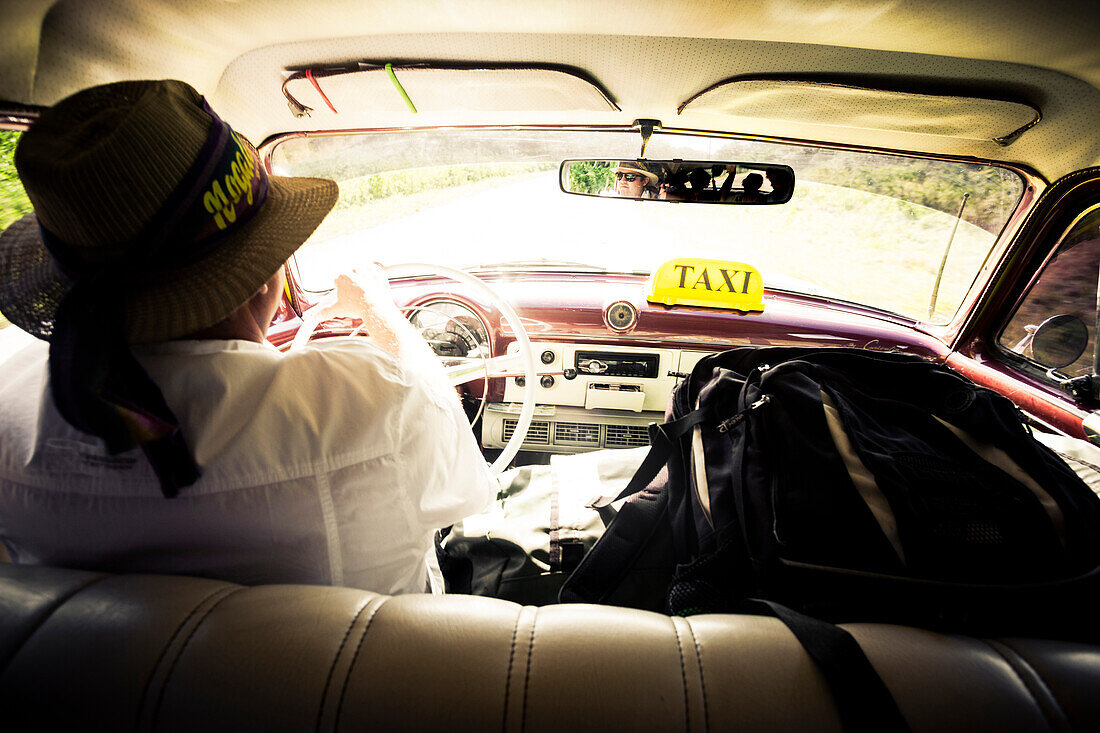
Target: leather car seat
x=125, y=652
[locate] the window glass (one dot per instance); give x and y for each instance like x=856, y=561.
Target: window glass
x=902, y=234
x=1066, y=293
x=13, y=199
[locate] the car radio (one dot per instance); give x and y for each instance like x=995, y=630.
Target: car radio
x=617, y=364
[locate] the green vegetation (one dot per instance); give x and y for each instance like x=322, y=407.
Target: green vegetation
x=590, y=177
x=934, y=184
x=987, y=207
x=994, y=192
x=358, y=192
x=372, y=200
x=346, y=157
x=13, y=199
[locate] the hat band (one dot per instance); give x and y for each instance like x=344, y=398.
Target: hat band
x=223, y=189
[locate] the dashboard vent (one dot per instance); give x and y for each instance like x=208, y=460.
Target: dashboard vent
x=537, y=434
x=627, y=436
x=575, y=432
x=581, y=434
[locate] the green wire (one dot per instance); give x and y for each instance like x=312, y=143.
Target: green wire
x=400, y=89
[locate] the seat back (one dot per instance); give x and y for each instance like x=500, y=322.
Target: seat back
x=144, y=652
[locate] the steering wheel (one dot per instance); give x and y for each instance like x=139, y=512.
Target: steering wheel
x=461, y=373
x=451, y=364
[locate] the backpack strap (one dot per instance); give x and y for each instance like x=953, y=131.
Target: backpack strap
x=662, y=439
x=554, y=529
x=863, y=701
x=617, y=551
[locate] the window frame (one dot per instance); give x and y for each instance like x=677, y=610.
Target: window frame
x=1029, y=365
x=1049, y=221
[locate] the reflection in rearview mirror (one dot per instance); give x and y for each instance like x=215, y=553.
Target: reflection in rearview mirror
x=694, y=181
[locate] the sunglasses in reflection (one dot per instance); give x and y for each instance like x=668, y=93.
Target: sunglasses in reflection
x=628, y=177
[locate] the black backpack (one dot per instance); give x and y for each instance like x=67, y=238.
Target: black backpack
x=850, y=485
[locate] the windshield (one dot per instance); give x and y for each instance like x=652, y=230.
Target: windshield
x=879, y=230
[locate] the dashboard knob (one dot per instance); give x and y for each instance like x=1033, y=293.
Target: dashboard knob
x=547, y=381
x=570, y=374
x=521, y=382
x=547, y=357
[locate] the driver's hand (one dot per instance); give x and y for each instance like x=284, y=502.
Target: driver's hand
x=362, y=294
x=365, y=295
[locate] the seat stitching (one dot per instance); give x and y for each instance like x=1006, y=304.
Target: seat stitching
x=168, y=645
x=358, y=647
x=1056, y=718
x=183, y=647
x=508, y=679
x=702, y=680
x=48, y=615
x=527, y=676
x=336, y=658
x=683, y=674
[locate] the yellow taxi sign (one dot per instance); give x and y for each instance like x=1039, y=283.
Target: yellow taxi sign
x=707, y=283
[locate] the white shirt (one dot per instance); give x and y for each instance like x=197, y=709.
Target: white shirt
x=328, y=465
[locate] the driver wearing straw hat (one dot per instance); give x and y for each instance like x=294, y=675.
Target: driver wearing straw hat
x=152, y=428
x=633, y=181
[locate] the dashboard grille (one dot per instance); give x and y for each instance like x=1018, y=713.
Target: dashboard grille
x=575, y=432
x=538, y=434
x=627, y=436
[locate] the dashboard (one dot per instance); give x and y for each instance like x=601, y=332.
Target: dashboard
x=590, y=397
x=607, y=360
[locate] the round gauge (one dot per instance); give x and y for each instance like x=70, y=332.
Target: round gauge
x=450, y=328
x=621, y=316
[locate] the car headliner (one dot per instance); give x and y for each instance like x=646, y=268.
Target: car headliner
x=649, y=57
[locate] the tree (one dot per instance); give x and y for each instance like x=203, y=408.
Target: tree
x=591, y=176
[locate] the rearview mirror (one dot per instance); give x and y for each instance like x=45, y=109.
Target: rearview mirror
x=689, y=181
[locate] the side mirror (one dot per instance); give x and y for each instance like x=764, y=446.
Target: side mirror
x=1059, y=341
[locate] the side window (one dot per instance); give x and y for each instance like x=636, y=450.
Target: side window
x=13, y=199
x=1055, y=324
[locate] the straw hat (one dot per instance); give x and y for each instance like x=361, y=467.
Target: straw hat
x=141, y=184
x=629, y=166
